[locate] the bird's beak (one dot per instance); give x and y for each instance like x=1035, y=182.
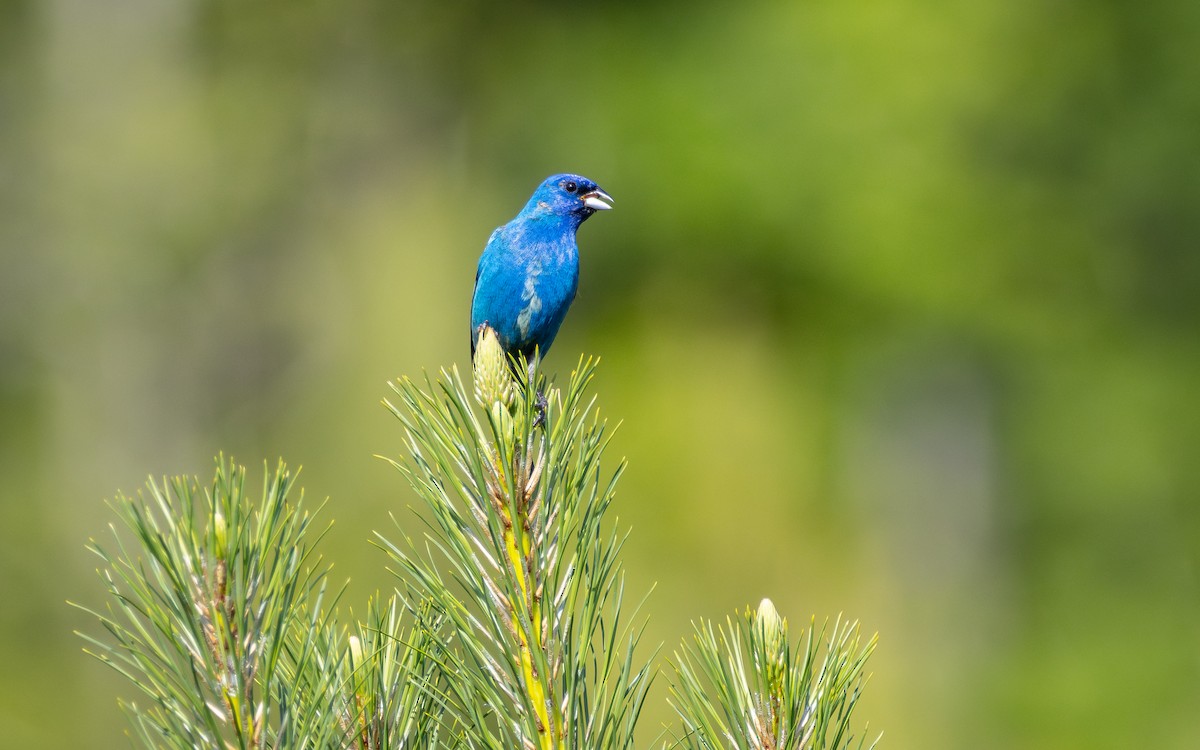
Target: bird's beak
x=597, y=200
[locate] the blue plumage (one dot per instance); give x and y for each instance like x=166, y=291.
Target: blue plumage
x=529, y=271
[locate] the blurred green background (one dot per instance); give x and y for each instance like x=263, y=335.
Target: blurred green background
x=900, y=307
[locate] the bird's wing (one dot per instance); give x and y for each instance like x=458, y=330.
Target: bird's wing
x=475, y=291
x=471, y=311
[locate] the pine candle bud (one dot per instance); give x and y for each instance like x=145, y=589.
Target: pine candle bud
x=774, y=630
x=493, y=383
x=220, y=535
x=358, y=674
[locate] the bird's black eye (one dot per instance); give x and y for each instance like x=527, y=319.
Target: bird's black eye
x=570, y=186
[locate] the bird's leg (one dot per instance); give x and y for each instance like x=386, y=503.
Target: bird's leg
x=540, y=405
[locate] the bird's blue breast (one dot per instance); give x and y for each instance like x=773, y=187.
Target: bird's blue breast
x=527, y=278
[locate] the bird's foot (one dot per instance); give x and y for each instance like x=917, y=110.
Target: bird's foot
x=540, y=405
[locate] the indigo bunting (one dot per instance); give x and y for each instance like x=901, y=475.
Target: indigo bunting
x=529, y=271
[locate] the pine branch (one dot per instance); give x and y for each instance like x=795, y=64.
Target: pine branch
x=517, y=504
x=742, y=686
x=220, y=615
x=397, y=699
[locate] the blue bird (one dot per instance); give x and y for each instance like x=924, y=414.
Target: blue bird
x=529, y=271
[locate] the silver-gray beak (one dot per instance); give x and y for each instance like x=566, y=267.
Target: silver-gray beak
x=597, y=200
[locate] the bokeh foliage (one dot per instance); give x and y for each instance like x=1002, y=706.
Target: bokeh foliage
x=900, y=301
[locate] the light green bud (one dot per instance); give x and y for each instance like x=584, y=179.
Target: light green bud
x=493, y=381
x=220, y=535
x=774, y=629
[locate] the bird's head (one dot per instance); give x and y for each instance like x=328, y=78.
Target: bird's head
x=569, y=195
